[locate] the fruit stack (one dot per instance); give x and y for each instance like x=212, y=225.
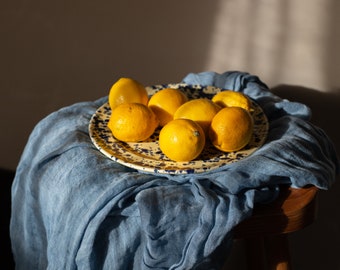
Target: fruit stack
x=186, y=125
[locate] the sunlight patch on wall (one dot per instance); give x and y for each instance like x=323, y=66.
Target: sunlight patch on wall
x=281, y=41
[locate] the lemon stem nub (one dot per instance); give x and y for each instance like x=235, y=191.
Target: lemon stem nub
x=196, y=133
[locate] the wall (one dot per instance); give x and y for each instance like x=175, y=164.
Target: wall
x=56, y=53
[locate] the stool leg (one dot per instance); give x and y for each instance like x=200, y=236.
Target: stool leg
x=277, y=250
x=255, y=253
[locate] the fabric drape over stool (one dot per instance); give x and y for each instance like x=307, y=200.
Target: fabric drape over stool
x=73, y=208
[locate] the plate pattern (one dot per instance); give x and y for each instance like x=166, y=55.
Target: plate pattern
x=147, y=156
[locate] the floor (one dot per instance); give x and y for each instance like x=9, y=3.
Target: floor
x=6, y=258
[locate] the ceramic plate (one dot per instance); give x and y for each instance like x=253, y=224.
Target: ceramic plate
x=146, y=156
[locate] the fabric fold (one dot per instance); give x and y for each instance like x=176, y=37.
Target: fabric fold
x=73, y=208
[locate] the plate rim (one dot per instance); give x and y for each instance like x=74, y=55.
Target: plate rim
x=186, y=165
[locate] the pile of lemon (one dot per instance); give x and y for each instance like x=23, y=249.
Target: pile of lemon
x=186, y=125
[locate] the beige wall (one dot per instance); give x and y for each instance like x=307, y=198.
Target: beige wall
x=55, y=53
x=291, y=42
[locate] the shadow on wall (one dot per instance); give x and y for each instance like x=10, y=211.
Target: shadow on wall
x=55, y=53
x=316, y=247
x=325, y=107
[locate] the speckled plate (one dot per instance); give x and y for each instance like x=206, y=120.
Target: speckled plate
x=146, y=156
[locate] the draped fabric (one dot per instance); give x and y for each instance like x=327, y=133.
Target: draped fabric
x=73, y=208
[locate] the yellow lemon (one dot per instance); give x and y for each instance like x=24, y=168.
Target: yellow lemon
x=231, y=129
x=200, y=110
x=182, y=140
x=229, y=98
x=127, y=90
x=165, y=102
x=132, y=122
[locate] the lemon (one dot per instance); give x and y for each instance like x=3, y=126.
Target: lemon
x=165, y=102
x=229, y=98
x=182, y=140
x=132, y=122
x=231, y=129
x=200, y=110
x=127, y=90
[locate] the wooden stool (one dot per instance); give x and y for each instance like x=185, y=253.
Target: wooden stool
x=265, y=232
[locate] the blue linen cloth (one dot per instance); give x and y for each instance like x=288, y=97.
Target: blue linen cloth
x=73, y=208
